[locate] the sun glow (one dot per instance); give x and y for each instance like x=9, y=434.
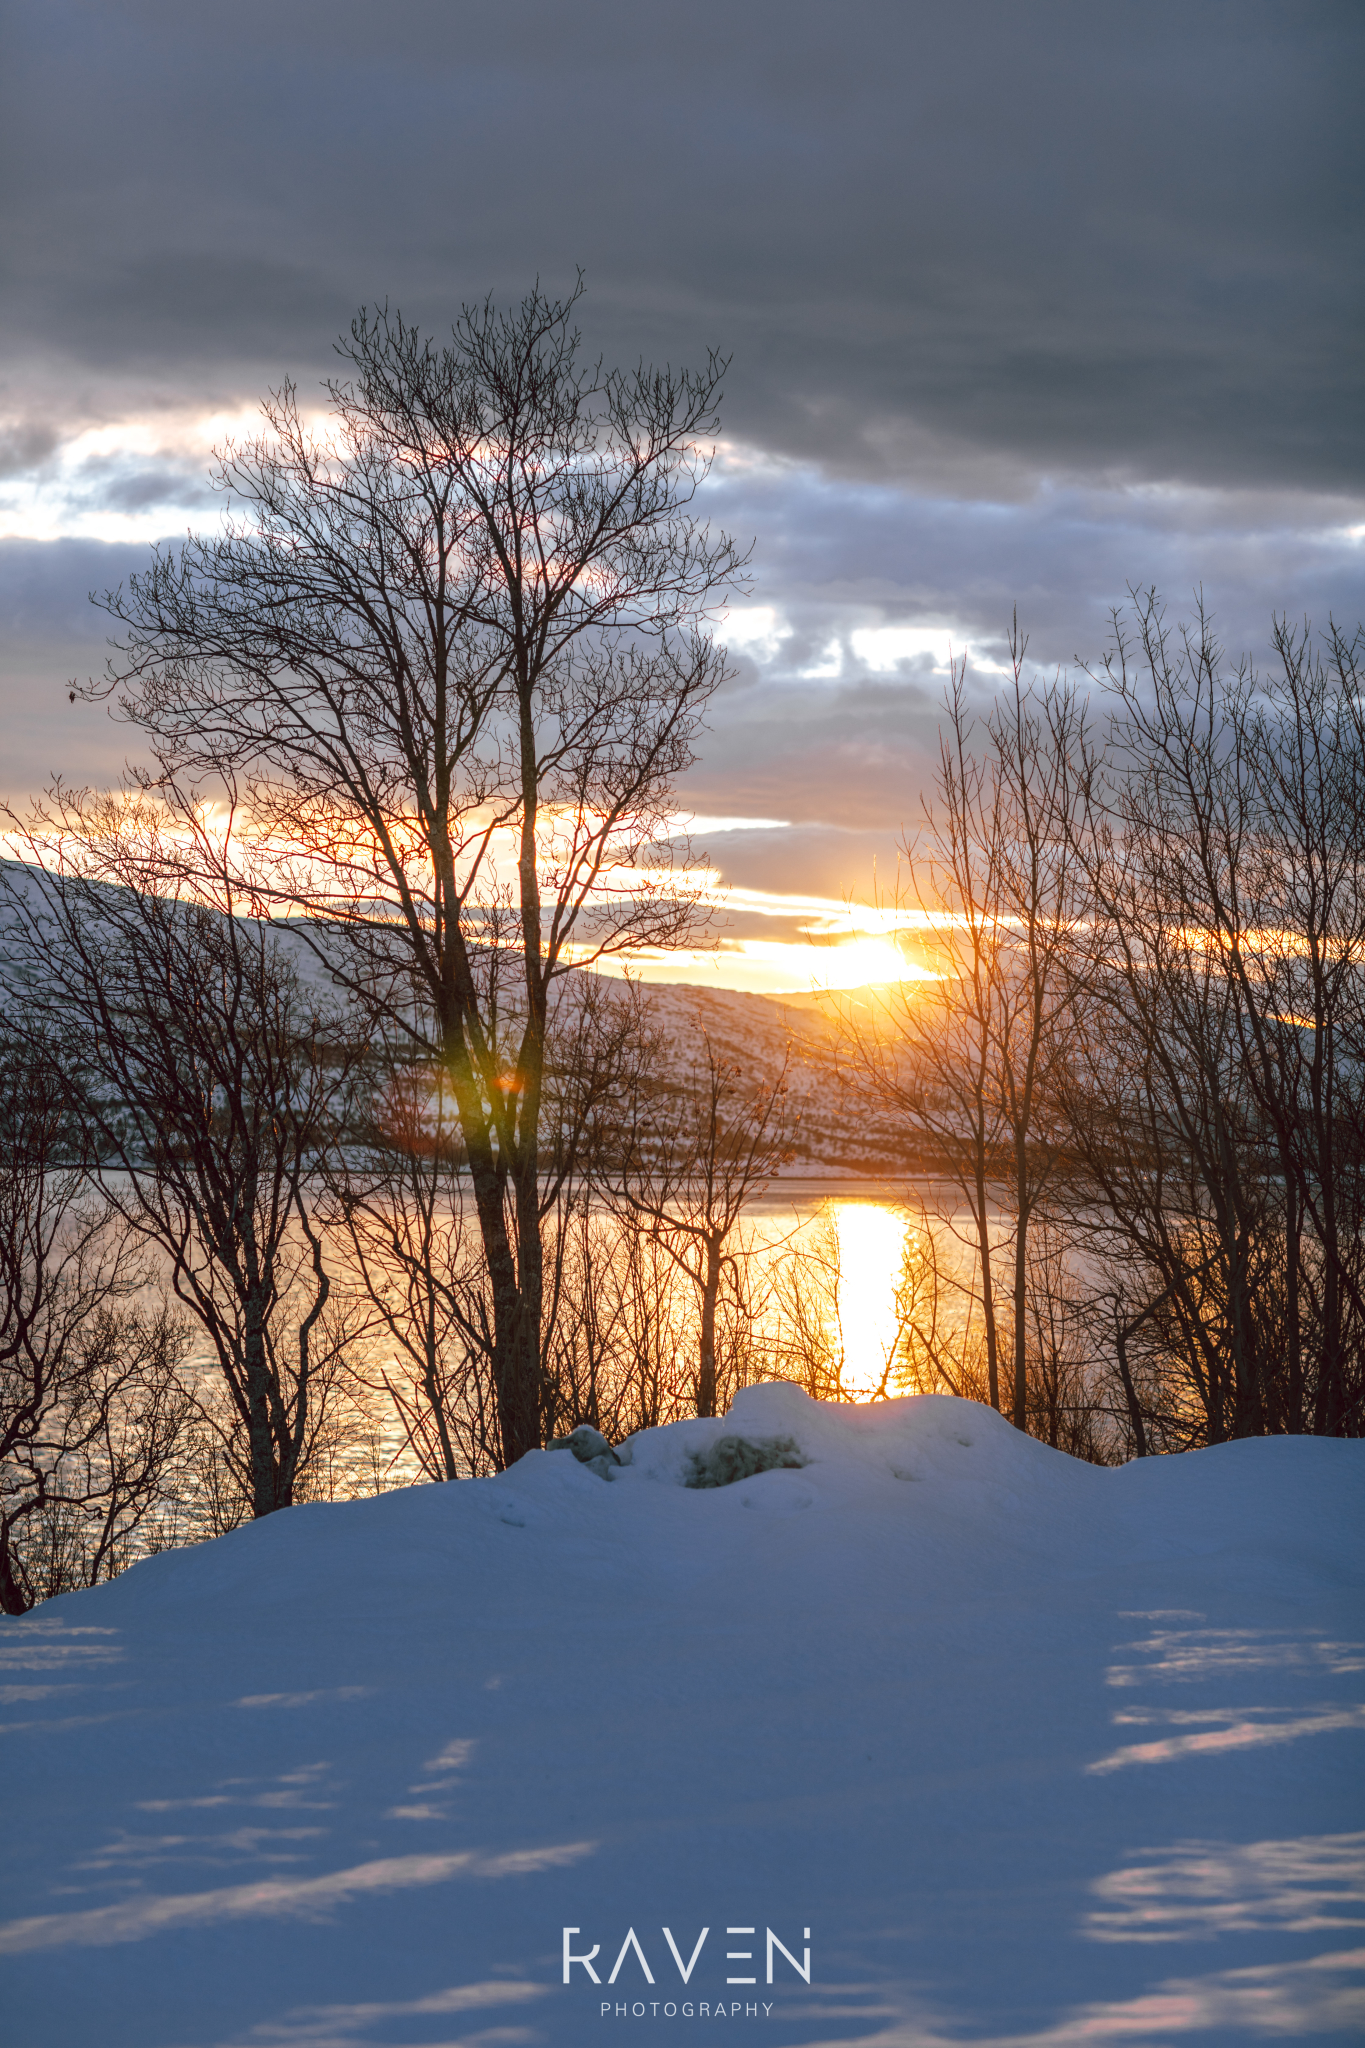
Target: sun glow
x=767, y=967
x=317, y=862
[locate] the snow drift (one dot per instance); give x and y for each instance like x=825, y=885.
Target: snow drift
x=995, y=1746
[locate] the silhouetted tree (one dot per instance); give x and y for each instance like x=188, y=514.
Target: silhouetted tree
x=92, y=1411
x=697, y=1149
x=206, y=1077
x=453, y=648
x=1217, y=1098
x=968, y=1060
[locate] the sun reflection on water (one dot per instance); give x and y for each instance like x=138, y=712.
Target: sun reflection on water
x=845, y=1257
x=871, y=1238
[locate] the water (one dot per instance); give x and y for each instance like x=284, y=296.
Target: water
x=822, y=1268
x=874, y=1250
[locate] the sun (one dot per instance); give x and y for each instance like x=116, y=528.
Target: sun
x=865, y=963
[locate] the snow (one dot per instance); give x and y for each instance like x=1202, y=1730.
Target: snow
x=1039, y=1754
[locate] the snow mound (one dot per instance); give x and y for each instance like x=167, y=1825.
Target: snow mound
x=1037, y=1753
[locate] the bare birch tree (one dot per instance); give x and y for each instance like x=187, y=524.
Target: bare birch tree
x=206, y=1078
x=967, y=1060
x=454, y=647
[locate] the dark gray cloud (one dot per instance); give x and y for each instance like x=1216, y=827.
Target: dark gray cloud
x=24, y=444
x=968, y=244
x=114, y=483
x=1026, y=304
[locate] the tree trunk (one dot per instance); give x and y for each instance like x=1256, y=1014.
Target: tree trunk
x=983, y=1230
x=516, y=1346
x=1330, y=1405
x=1020, y=1390
x=1293, y=1225
x=706, y=1378
x=514, y=1268
x=1121, y=1337
x=256, y=1372
x=12, y=1597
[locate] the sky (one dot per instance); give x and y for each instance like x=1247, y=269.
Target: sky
x=1025, y=305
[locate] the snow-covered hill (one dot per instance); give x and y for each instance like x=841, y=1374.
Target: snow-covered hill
x=839, y=1133
x=1038, y=1754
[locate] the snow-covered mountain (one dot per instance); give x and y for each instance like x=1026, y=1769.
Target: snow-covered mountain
x=1000, y=1748
x=840, y=1133
x=837, y=1134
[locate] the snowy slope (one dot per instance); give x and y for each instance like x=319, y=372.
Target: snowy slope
x=836, y=1132
x=839, y=1131
x=1039, y=1754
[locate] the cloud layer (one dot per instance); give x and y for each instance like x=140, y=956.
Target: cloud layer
x=1025, y=305
x=965, y=244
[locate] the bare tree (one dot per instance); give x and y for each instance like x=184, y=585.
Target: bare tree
x=455, y=650
x=1215, y=1100
x=968, y=1060
x=932, y=1349
x=401, y=1209
x=624, y=1339
x=207, y=1078
x=1159, y=1131
x=1301, y=971
x=92, y=1411
x=695, y=1153
x=805, y=1322
x=401, y=1196
x=1067, y=1396
x=927, y=1348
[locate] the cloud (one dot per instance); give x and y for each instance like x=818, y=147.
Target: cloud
x=1022, y=308
x=108, y=484
x=330, y=2026
x=1238, y=1728
x=1192, y=1890
x=975, y=245
x=24, y=444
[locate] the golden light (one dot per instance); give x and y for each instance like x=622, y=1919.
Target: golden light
x=327, y=855
x=871, y=1248
x=864, y=963
x=770, y=967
